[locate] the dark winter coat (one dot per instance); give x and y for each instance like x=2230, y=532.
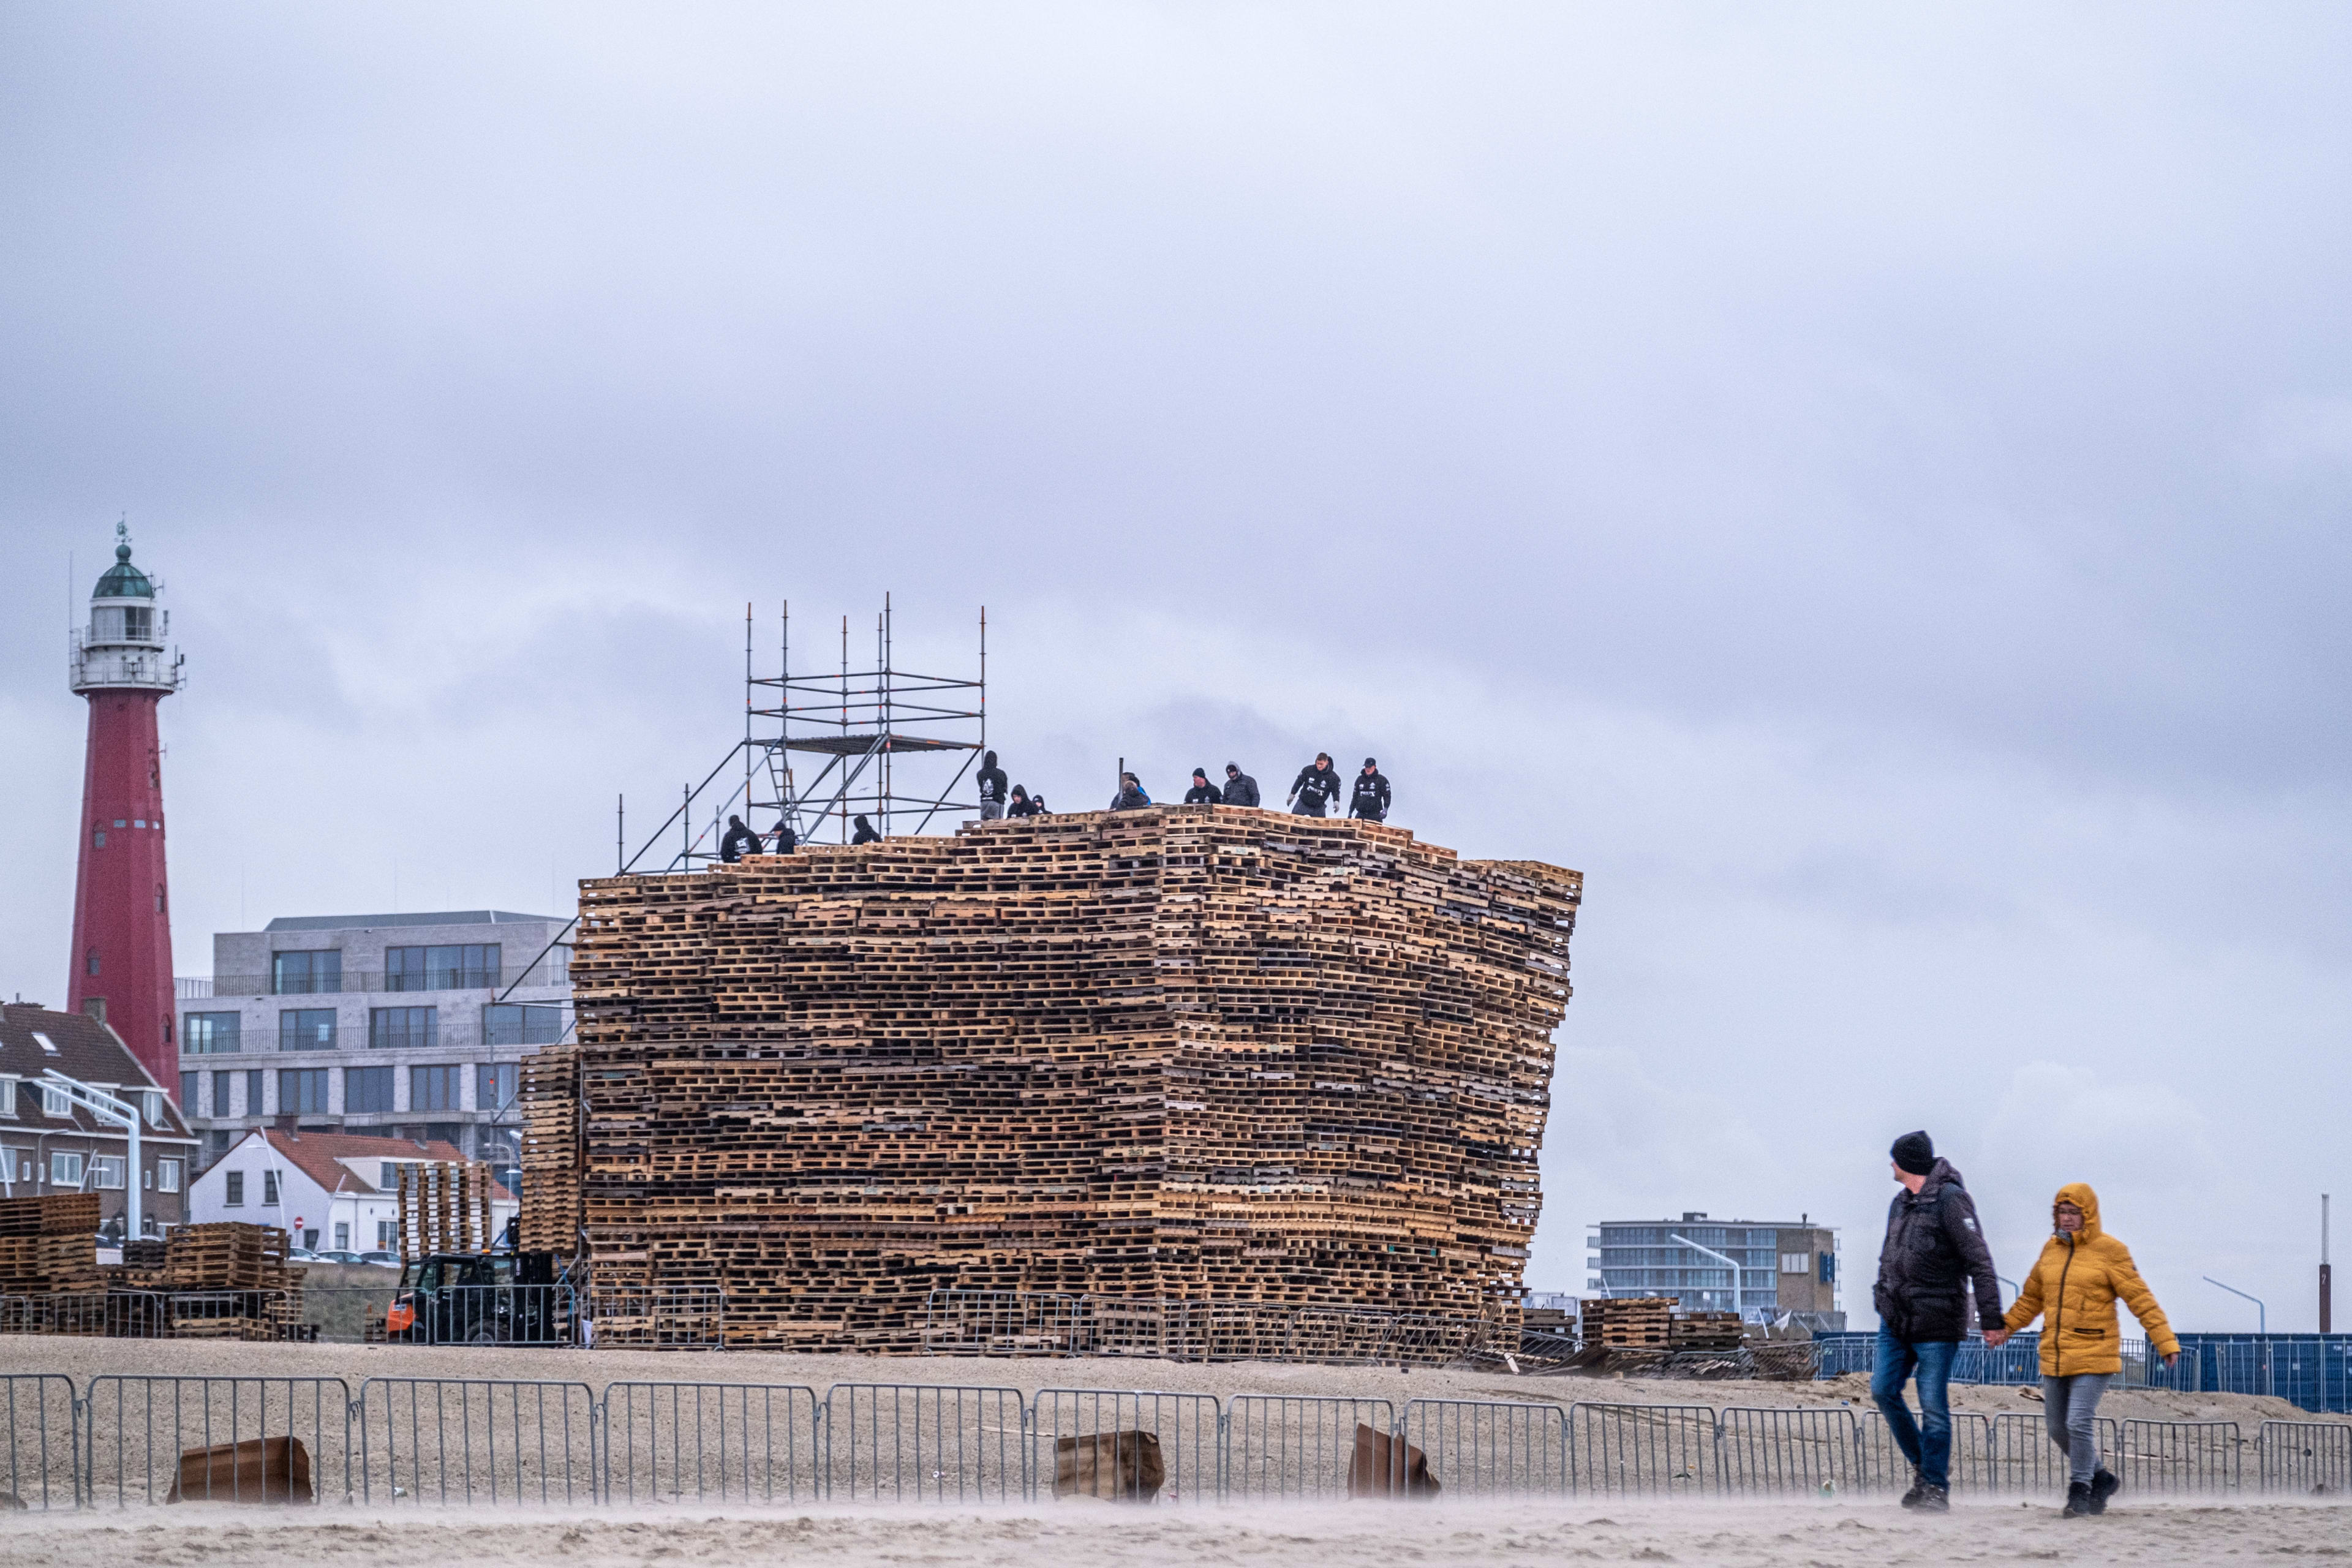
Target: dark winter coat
x=1320, y=786
x=864, y=833
x=1240, y=790
x=1934, y=1252
x=1025, y=805
x=1129, y=799
x=1372, y=797
x=1204, y=793
x=739, y=839
x=991, y=780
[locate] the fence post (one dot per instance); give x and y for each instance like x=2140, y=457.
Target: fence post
x=84, y=1465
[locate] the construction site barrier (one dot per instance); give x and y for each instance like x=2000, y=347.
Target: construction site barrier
x=153, y=1314
x=1025, y=1324
x=703, y=1443
x=453, y=1442
x=449, y=1440
x=40, y=1450
x=283, y=1440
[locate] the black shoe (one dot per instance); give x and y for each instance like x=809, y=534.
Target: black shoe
x=2078, y=1500
x=1918, y=1490
x=2104, y=1485
x=1934, y=1500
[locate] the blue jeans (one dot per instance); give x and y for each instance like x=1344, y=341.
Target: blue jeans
x=1930, y=1449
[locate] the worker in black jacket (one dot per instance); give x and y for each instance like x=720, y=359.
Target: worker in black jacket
x=1203, y=791
x=1023, y=806
x=739, y=839
x=1370, y=800
x=1240, y=788
x=786, y=840
x=992, y=780
x=864, y=833
x=1933, y=1256
x=1317, y=785
x=1131, y=795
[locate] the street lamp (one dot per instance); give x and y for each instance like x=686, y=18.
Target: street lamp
x=2263, y=1320
x=106, y=1108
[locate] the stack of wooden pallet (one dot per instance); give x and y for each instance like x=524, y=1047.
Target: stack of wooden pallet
x=1183, y=1052
x=1632, y=1322
x=1705, y=1332
x=226, y=1280
x=551, y=1151
x=444, y=1206
x=47, y=1245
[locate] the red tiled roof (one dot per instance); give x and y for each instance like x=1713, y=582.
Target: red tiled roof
x=318, y=1155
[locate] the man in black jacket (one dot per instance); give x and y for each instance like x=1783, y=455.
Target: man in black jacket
x=991, y=782
x=864, y=833
x=739, y=838
x=785, y=839
x=1203, y=791
x=1240, y=788
x=1370, y=800
x=1934, y=1253
x=1317, y=783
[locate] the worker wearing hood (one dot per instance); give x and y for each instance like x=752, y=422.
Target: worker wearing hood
x=2074, y=1285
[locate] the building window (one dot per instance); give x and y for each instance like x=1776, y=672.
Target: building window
x=150, y=1106
x=268, y=1189
x=387, y=1235
x=433, y=1089
x=465, y=966
x=8, y=1092
x=208, y=1034
x=98, y=838
x=1828, y=1275
x=232, y=1190
x=65, y=1169
x=253, y=1101
x=1796, y=1263
x=494, y=1085
x=167, y=1176
x=509, y=1023
x=301, y=1091
x=342, y=1236
x=366, y=1090
x=303, y=973
x=48, y=1047
x=404, y=1029
x=55, y=1105
x=306, y=1029
x=93, y=961
x=221, y=1081
x=106, y=1172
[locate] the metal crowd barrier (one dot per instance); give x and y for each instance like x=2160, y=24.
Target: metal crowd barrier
x=1023, y=1323
x=131, y=1440
x=2312, y=1371
x=40, y=1447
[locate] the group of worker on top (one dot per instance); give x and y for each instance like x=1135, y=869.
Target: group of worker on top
x=1311, y=794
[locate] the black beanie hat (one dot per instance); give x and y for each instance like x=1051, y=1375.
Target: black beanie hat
x=1914, y=1153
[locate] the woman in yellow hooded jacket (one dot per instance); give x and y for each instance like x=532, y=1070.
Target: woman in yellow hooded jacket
x=2081, y=1273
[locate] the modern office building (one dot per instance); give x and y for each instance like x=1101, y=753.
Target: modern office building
x=409, y=1027
x=1764, y=1269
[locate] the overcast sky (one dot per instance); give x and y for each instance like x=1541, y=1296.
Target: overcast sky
x=1867, y=486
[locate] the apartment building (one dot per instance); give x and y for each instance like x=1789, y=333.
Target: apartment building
x=408, y=1026
x=50, y=1144
x=1763, y=1269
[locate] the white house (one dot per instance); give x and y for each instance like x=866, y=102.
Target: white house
x=334, y=1190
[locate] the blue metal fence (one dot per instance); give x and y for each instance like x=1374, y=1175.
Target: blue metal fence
x=2313, y=1372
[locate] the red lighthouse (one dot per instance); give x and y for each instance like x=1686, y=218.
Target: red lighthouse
x=123, y=908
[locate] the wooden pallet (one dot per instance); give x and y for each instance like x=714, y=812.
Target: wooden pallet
x=1705, y=1332
x=1217, y=1055
x=1638, y=1323
x=444, y=1206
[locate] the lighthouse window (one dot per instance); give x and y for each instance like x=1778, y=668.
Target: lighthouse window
x=138, y=624
x=93, y=961
x=100, y=838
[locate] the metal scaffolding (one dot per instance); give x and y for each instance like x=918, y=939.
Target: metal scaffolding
x=885, y=734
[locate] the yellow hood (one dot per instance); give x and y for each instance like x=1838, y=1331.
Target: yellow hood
x=2080, y=1195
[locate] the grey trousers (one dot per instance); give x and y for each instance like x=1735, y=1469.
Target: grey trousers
x=2070, y=1405
x=992, y=810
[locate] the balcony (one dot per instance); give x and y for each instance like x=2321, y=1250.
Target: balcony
x=374, y=983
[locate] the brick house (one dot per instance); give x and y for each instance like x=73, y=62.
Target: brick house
x=49, y=1144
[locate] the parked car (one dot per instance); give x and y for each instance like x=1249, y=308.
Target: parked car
x=300, y=1255
x=482, y=1298
x=337, y=1255
x=381, y=1259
